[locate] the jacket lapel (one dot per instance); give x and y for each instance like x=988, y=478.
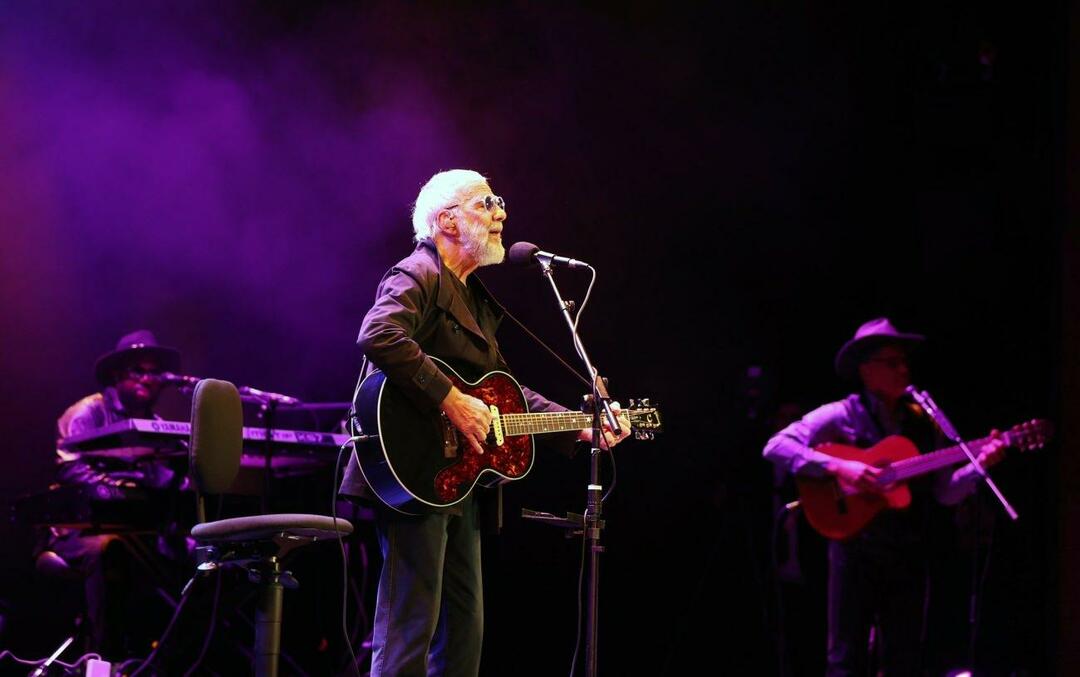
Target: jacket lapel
x=456, y=307
x=450, y=302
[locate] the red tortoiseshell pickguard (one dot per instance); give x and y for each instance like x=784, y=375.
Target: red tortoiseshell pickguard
x=513, y=458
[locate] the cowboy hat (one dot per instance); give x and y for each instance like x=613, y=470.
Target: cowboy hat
x=134, y=346
x=868, y=338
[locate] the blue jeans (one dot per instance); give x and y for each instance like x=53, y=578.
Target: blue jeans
x=429, y=616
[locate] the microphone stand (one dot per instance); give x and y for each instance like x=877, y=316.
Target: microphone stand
x=590, y=523
x=928, y=405
x=268, y=403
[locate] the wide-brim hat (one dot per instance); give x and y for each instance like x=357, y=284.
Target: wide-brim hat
x=868, y=338
x=135, y=346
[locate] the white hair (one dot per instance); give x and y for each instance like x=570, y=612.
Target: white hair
x=438, y=193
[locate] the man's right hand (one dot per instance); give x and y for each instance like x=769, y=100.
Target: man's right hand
x=469, y=415
x=859, y=475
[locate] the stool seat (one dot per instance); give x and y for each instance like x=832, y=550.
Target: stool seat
x=265, y=527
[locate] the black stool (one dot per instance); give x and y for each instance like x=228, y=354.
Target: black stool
x=256, y=543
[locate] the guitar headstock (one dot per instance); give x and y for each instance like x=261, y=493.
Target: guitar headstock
x=645, y=420
x=1031, y=435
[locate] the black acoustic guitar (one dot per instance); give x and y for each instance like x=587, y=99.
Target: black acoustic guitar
x=419, y=460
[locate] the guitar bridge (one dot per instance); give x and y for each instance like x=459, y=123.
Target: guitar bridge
x=496, y=425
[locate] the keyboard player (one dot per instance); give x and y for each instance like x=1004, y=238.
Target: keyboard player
x=131, y=381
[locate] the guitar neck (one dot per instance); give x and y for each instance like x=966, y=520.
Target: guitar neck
x=553, y=422
x=935, y=460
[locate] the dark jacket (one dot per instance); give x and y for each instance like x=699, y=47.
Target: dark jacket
x=418, y=312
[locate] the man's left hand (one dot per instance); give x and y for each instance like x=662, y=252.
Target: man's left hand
x=610, y=438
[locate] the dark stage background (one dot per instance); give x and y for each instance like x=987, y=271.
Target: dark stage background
x=752, y=180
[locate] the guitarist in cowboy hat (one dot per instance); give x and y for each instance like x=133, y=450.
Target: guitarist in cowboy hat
x=880, y=573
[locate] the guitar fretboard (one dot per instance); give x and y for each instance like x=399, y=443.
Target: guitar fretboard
x=554, y=422
x=942, y=458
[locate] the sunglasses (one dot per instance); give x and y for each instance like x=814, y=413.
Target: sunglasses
x=489, y=202
x=139, y=372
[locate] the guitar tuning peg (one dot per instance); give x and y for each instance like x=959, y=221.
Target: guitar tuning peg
x=645, y=402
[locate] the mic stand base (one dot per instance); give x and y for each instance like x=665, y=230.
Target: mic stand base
x=588, y=526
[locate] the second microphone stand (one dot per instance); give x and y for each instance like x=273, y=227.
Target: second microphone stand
x=590, y=523
x=946, y=427
x=268, y=405
x=924, y=400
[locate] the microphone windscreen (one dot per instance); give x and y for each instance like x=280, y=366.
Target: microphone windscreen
x=522, y=253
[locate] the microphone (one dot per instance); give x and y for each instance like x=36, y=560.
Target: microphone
x=526, y=253
x=178, y=379
x=927, y=404
x=921, y=398
x=265, y=396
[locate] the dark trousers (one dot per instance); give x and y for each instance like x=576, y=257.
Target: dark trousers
x=104, y=564
x=123, y=579
x=429, y=615
x=875, y=587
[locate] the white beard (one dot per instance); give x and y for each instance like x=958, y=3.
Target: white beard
x=481, y=249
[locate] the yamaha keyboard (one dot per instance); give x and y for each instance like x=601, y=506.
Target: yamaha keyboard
x=141, y=436
x=145, y=432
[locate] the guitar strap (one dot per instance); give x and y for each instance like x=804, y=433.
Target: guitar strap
x=543, y=345
x=353, y=421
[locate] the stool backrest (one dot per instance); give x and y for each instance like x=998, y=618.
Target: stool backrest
x=217, y=435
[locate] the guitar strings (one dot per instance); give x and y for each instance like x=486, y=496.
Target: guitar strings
x=933, y=460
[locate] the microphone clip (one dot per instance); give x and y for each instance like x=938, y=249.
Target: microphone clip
x=927, y=404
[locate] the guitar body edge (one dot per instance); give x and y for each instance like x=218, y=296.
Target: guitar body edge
x=839, y=515
x=406, y=466
x=371, y=455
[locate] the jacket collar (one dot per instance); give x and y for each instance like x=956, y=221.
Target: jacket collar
x=453, y=303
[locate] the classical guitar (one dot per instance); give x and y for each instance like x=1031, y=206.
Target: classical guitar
x=839, y=511
x=418, y=460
